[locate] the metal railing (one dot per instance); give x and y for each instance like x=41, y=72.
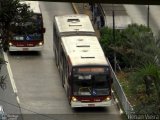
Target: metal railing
x=127, y=107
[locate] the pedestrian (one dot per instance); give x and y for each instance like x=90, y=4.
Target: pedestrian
x=98, y=22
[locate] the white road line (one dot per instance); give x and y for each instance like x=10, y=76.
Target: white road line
x=121, y=111
x=10, y=73
x=116, y=100
x=18, y=100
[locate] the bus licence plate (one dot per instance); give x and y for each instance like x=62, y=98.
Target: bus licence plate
x=25, y=49
x=91, y=105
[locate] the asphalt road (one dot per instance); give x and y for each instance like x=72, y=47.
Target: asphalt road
x=38, y=83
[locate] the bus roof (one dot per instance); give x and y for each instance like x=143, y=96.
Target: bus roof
x=34, y=5
x=74, y=23
x=83, y=50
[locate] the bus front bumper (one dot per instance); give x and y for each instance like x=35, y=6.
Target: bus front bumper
x=95, y=104
x=36, y=48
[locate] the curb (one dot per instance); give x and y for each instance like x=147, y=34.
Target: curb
x=75, y=8
x=117, y=102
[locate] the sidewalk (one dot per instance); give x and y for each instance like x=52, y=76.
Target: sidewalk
x=84, y=8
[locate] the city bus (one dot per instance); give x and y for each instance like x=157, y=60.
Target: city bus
x=28, y=36
x=85, y=73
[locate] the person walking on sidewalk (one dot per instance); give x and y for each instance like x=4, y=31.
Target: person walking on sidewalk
x=98, y=22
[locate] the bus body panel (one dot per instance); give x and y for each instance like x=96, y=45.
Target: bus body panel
x=91, y=104
x=34, y=5
x=37, y=48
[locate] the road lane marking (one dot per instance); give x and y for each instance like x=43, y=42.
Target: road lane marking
x=18, y=100
x=121, y=111
x=10, y=73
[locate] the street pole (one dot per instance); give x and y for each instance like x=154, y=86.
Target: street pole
x=148, y=16
x=115, y=61
x=92, y=10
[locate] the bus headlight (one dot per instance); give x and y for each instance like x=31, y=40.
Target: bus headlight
x=10, y=44
x=40, y=44
x=108, y=98
x=74, y=99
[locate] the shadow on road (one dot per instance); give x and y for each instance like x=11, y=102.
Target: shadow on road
x=90, y=110
x=25, y=53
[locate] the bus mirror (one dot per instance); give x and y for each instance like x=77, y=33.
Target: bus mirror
x=43, y=30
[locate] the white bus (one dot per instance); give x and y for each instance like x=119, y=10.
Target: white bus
x=84, y=70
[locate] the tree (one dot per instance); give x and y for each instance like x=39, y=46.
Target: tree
x=145, y=83
x=140, y=44
x=133, y=45
x=112, y=46
x=141, y=51
x=11, y=11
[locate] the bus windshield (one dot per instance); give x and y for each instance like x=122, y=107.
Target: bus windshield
x=29, y=30
x=90, y=85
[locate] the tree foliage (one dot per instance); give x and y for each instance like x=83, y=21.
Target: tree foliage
x=133, y=45
x=11, y=11
x=111, y=45
x=140, y=44
x=138, y=51
x=145, y=84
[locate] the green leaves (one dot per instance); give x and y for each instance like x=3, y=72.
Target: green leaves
x=135, y=43
x=147, y=76
x=11, y=11
x=138, y=51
